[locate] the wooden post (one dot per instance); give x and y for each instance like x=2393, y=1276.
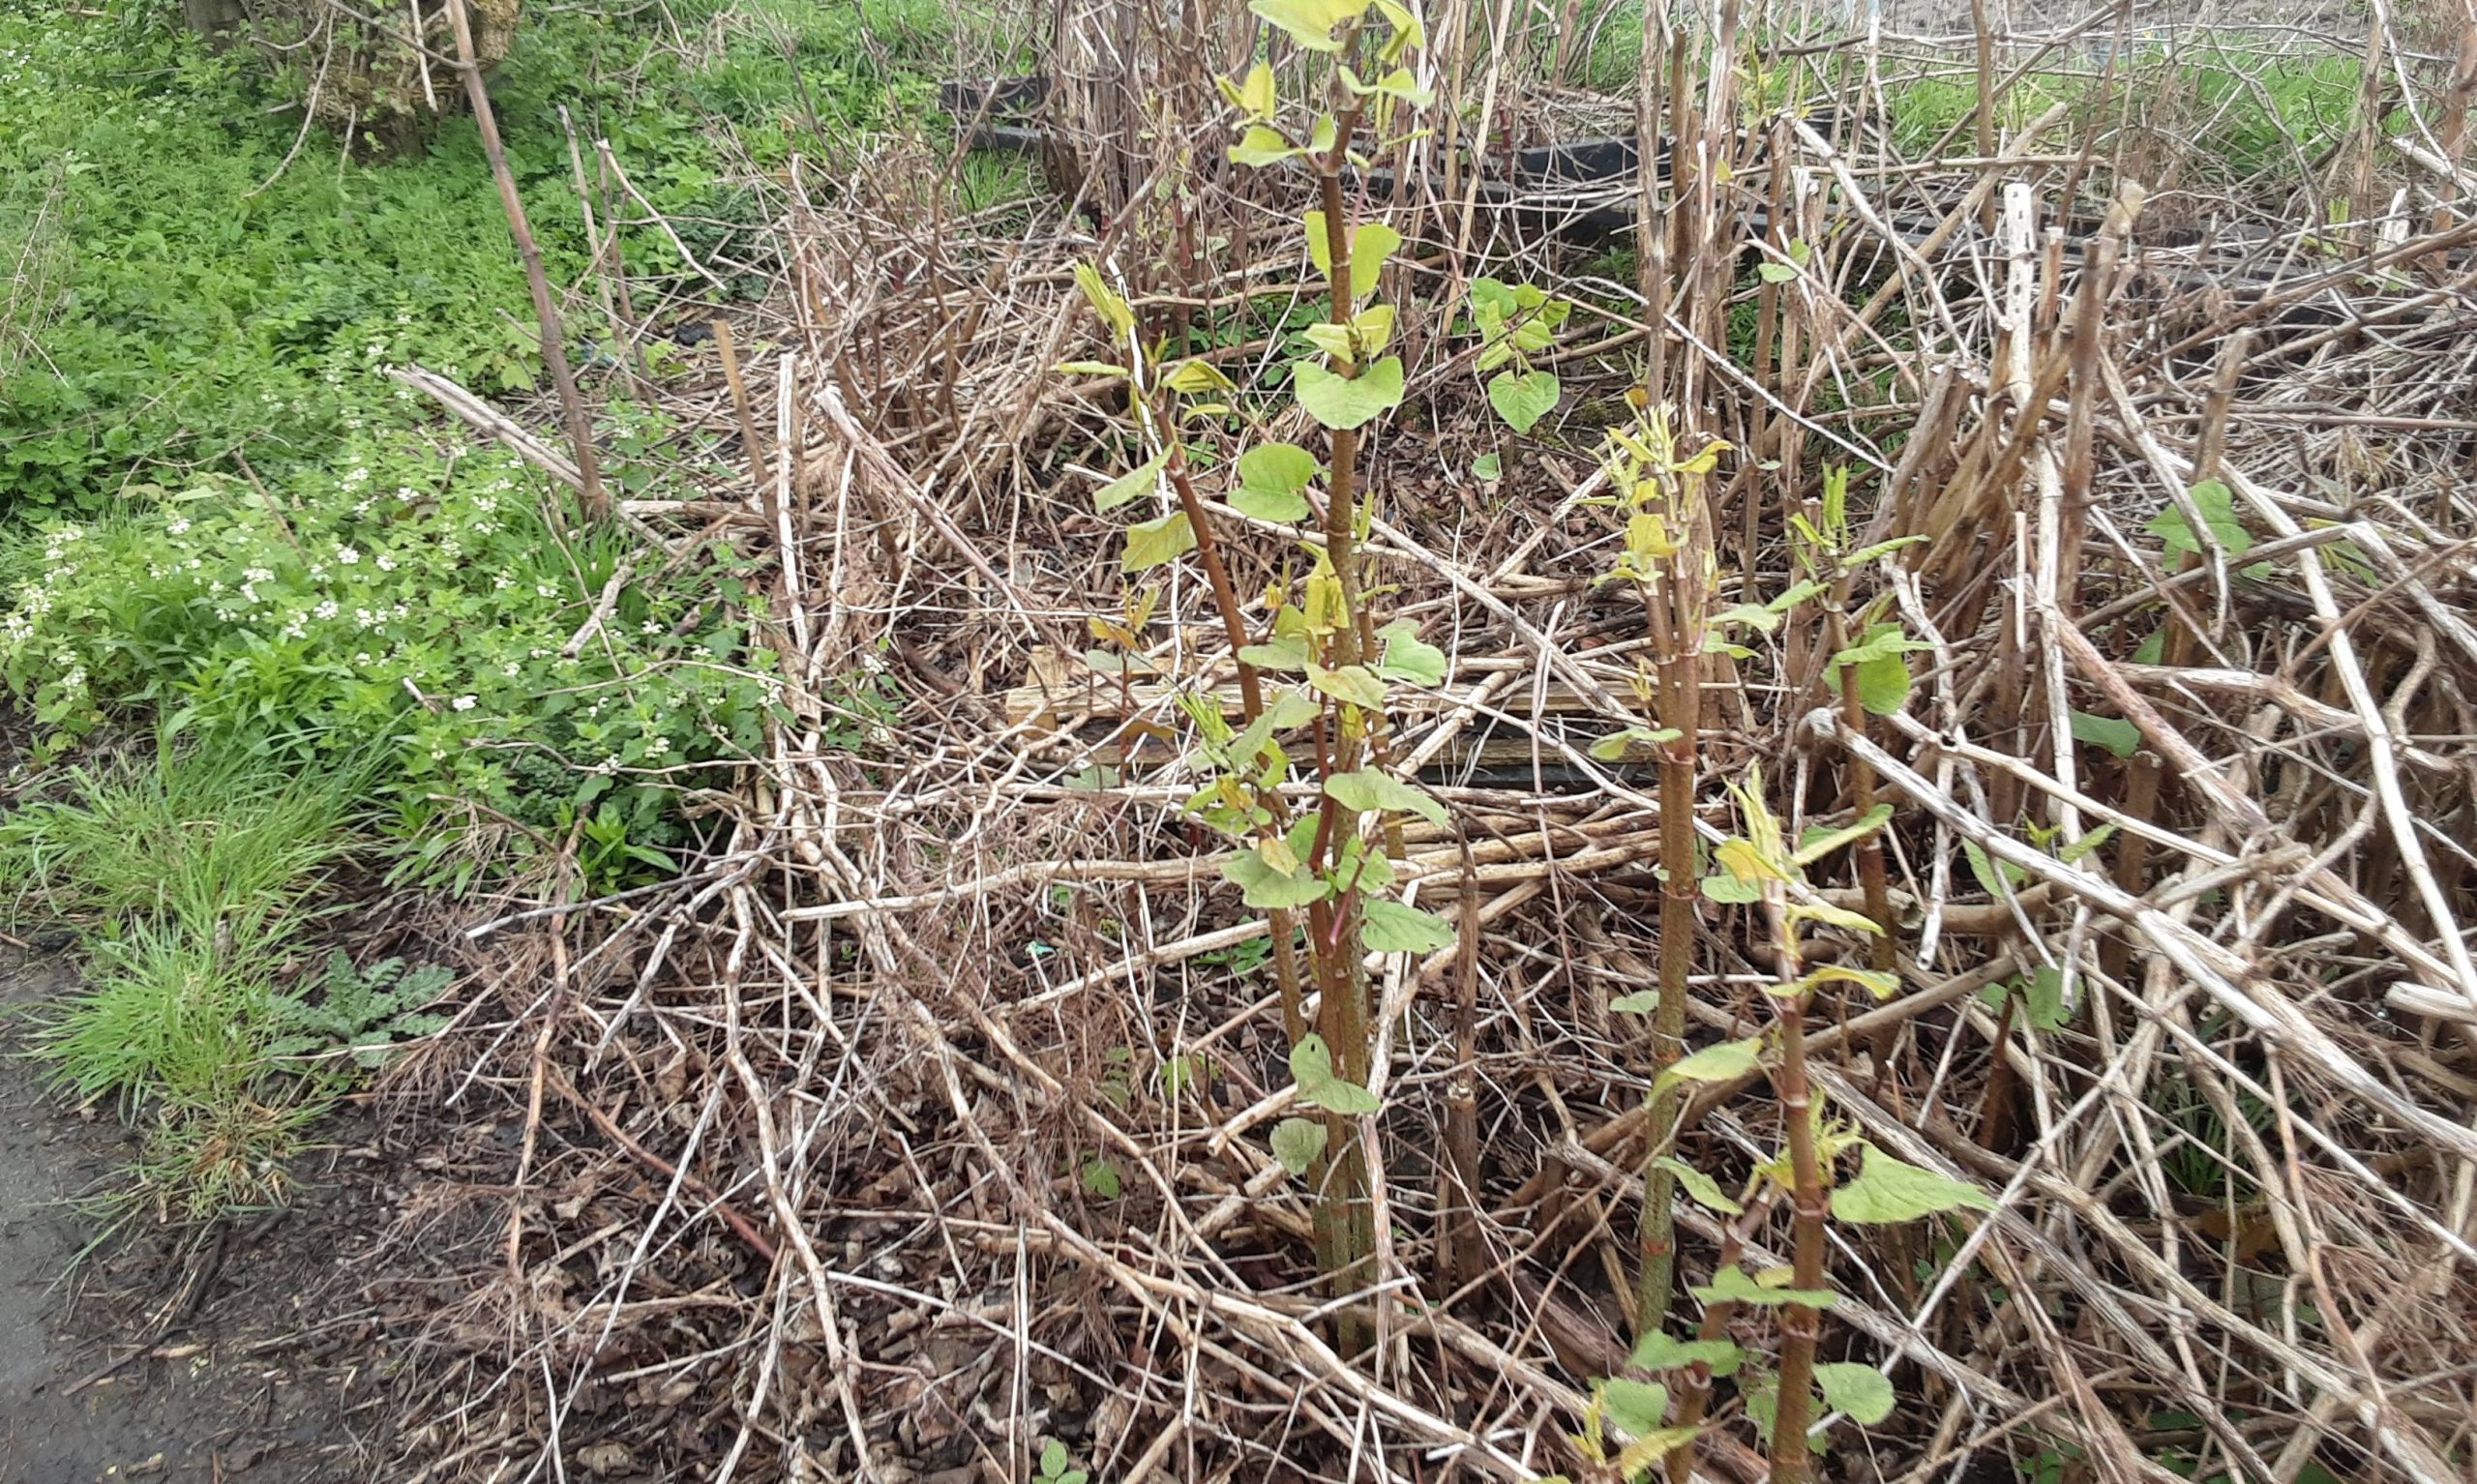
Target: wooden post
x=545, y=313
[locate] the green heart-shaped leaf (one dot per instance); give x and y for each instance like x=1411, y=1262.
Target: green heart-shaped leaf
x=1343, y=403
x=1523, y=398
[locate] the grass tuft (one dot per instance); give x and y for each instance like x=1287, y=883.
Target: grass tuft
x=199, y=836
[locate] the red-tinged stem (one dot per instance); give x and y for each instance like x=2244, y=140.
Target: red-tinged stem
x=1225, y=594
x=1801, y=1326
x=1343, y=1216
x=1695, y=1392
x=1679, y=689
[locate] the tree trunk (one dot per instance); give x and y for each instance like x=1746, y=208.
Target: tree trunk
x=214, y=19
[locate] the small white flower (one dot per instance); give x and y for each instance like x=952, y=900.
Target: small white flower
x=386, y=563
x=348, y=555
x=466, y=702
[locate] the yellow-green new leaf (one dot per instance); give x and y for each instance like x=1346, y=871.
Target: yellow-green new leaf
x=1311, y=1066
x=1705, y=1190
x=1409, y=658
x=1835, y=916
x=1308, y=23
x=2117, y=735
x=1364, y=336
x=1270, y=479
x=1741, y=860
x=1637, y=1407
x=1523, y=398
x=1340, y=402
x=1397, y=83
x=1616, y=745
x=1859, y=1390
x=1369, y=789
x=1407, y=30
x=1268, y=890
x=1287, y=652
x=1724, y=1063
x=1105, y=302
x=1297, y=1142
x=1350, y=683
x=1876, y=982
x=2220, y=527
x=1889, y=1190
x=1820, y=843
x=1637, y=1456
x=1194, y=378
x=1253, y=95
x=1134, y=484
x=1662, y=1352
x=1731, y=1285
x=1155, y=542
x=1390, y=927
x=1262, y=145
x=1371, y=244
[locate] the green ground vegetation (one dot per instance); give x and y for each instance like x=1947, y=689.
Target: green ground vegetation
x=263, y=614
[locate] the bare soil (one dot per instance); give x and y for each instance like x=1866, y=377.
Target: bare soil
x=235, y=1352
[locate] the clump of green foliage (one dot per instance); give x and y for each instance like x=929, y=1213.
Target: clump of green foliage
x=194, y=867
x=2249, y=117
x=218, y=282
x=238, y=523
x=413, y=605
x=348, y=631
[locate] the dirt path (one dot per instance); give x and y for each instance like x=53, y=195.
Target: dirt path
x=218, y=1395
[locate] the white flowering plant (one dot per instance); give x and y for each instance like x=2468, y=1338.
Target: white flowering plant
x=411, y=599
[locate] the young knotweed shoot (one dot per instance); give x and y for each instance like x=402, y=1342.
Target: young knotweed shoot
x=1761, y=866
x=1326, y=867
x=1667, y=557
x=1869, y=672
x=1515, y=322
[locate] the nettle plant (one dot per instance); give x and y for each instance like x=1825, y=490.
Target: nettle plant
x=1763, y=868
x=1298, y=780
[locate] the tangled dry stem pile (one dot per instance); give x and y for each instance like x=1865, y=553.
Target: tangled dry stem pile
x=927, y=1120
